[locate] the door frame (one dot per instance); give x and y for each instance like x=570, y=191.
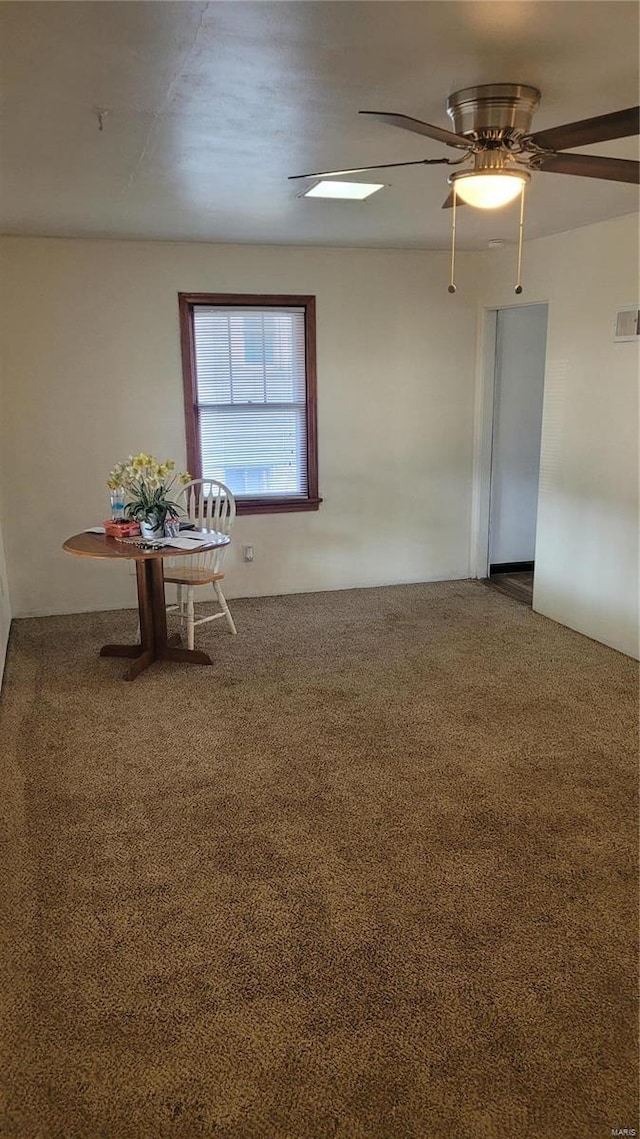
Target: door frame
x=484, y=410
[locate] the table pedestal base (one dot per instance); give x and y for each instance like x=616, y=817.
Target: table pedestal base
x=154, y=643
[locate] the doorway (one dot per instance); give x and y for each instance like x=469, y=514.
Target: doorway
x=519, y=362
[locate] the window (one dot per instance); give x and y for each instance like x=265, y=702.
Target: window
x=250, y=397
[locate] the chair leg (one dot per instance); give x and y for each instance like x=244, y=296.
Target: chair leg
x=180, y=600
x=224, y=607
x=190, y=618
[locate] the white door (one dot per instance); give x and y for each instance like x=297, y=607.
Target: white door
x=521, y=335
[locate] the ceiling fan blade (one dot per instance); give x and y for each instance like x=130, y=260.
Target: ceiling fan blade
x=418, y=127
x=448, y=203
x=363, y=169
x=590, y=166
x=617, y=124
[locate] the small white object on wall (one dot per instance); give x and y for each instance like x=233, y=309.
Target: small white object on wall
x=627, y=323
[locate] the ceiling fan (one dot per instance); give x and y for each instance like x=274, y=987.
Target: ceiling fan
x=492, y=126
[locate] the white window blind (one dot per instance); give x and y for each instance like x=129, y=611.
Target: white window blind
x=251, y=394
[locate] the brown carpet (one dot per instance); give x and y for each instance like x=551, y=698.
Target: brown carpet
x=369, y=877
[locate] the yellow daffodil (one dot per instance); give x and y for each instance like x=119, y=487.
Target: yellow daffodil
x=147, y=484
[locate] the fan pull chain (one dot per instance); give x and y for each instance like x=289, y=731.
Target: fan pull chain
x=520, y=234
x=452, y=287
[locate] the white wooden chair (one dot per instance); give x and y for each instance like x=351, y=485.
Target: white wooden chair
x=210, y=505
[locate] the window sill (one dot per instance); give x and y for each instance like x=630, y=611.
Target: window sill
x=275, y=505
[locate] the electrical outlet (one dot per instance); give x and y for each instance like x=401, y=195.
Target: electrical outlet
x=248, y=553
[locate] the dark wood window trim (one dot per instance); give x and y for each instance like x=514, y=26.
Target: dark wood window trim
x=187, y=302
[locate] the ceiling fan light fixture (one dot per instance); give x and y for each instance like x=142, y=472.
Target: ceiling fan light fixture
x=489, y=189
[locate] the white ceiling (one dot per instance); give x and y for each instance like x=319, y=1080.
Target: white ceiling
x=212, y=105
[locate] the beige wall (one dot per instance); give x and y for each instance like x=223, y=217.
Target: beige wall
x=93, y=368
x=93, y=372
x=587, y=540
x=5, y=603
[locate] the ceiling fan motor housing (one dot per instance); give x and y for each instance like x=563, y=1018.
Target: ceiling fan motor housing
x=494, y=111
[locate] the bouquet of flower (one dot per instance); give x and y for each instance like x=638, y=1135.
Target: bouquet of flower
x=147, y=485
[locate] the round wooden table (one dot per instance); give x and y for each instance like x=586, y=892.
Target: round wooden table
x=154, y=643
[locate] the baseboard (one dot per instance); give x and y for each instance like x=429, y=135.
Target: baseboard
x=511, y=567
x=4, y=646
x=70, y=610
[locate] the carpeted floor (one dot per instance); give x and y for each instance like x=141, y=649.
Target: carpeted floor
x=369, y=877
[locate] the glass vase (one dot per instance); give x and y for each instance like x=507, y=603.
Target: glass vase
x=117, y=505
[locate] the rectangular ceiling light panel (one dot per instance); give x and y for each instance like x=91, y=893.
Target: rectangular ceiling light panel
x=350, y=191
